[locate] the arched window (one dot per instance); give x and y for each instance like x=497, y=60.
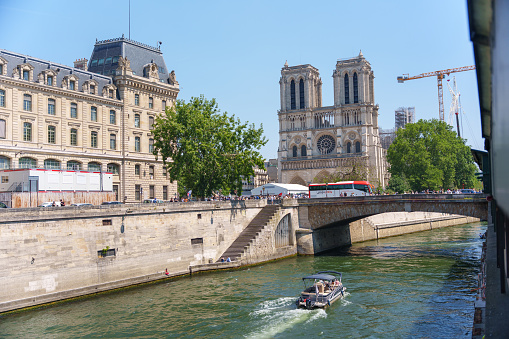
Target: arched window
x=301, y=94
x=114, y=168
x=51, y=164
x=355, y=89
x=94, y=167
x=27, y=162
x=293, y=104
x=357, y=147
x=73, y=165
x=294, y=151
x=5, y=163
x=348, y=147
x=347, y=90
x=303, y=151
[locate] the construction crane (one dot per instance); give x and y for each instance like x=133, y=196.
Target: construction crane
x=440, y=75
x=455, y=104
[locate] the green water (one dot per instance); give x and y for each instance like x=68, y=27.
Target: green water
x=413, y=286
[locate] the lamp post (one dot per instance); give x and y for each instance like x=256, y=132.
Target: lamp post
x=326, y=189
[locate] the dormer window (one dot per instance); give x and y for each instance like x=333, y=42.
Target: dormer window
x=92, y=89
x=26, y=75
x=50, y=80
x=72, y=85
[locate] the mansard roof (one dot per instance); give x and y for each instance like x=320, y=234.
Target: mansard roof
x=39, y=65
x=138, y=54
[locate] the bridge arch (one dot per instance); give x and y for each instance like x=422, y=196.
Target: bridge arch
x=282, y=234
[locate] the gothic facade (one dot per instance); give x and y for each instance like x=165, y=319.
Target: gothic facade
x=316, y=141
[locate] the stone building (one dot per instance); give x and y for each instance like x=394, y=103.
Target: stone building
x=314, y=140
x=96, y=116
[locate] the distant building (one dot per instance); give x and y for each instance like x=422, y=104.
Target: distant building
x=96, y=116
x=271, y=167
x=316, y=141
x=259, y=178
x=403, y=116
x=387, y=136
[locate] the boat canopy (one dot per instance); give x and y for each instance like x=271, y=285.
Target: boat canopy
x=323, y=276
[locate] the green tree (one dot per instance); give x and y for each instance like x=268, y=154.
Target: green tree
x=398, y=184
x=430, y=155
x=206, y=150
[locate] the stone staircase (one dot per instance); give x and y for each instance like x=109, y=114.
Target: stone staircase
x=250, y=233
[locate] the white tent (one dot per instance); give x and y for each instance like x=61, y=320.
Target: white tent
x=276, y=189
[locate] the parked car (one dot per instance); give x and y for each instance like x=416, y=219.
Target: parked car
x=81, y=204
x=50, y=204
x=467, y=191
x=2, y=205
x=111, y=203
x=149, y=201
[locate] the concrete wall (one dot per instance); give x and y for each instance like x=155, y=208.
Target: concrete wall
x=51, y=254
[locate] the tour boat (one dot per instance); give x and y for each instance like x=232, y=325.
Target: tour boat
x=320, y=290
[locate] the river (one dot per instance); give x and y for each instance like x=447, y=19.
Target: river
x=412, y=286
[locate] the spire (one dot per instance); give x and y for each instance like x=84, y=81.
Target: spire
x=360, y=53
x=286, y=63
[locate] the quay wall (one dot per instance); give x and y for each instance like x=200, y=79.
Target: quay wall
x=48, y=254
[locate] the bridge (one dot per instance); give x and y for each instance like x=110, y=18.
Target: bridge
x=326, y=212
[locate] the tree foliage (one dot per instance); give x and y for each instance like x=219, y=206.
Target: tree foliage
x=429, y=155
x=206, y=150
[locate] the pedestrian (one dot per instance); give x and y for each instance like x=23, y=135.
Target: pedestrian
x=166, y=272
x=62, y=203
x=228, y=259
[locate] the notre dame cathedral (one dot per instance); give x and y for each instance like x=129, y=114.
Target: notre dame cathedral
x=316, y=141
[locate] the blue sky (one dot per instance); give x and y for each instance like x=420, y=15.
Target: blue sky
x=234, y=50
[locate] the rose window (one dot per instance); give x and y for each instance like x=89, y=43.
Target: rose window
x=326, y=144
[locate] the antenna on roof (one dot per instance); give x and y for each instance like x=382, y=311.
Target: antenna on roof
x=129, y=19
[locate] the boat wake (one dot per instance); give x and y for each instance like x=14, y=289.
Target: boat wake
x=276, y=316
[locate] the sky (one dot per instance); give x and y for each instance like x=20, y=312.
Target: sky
x=233, y=51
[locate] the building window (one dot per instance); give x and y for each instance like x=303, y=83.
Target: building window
x=92, y=89
x=2, y=98
x=137, y=99
x=72, y=85
x=5, y=163
x=107, y=61
x=51, y=134
x=27, y=102
x=301, y=93
x=293, y=105
x=347, y=90
x=51, y=106
x=294, y=151
x=137, y=144
x=1, y=69
x=164, y=105
x=164, y=171
x=27, y=131
x=113, y=168
x=113, y=141
x=74, y=110
x=26, y=75
x=51, y=164
x=348, y=147
x=113, y=117
x=137, y=120
x=151, y=145
x=165, y=192
x=152, y=193
x=151, y=122
x=303, y=151
x=3, y=129
x=355, y=89
x=94, y=167
x=93, y=113
x=137, y=192
x=74, y=137
x=93, y=139
x=151, y=172
x=73, y=165
x=150, y=102
x=357, y=147
x=50, y=80
x=114, y=60
x=110, y=93
x=26, y=162
x=137, y=170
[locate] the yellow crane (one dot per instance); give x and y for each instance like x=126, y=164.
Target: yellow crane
x=440, y=75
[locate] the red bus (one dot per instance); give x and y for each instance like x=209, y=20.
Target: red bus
x=340, y=189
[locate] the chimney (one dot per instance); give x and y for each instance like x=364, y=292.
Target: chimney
x=81, y=64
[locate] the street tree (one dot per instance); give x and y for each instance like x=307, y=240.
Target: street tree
x=205, y=150
x=429, y=155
